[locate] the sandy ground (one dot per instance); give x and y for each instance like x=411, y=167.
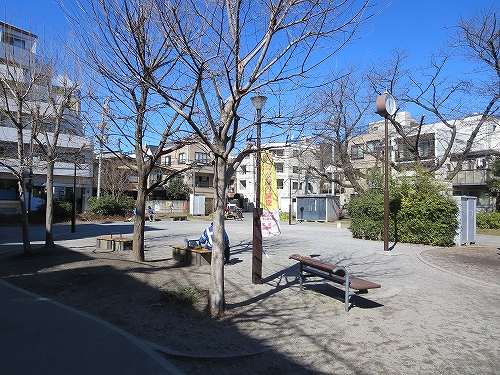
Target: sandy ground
x=437, y=311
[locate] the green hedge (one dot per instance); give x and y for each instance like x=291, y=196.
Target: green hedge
x=108, y=205
x=421, y=211
x=491, y=220
x=62, y=209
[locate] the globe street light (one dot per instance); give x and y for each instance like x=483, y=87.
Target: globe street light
x=258, y=102
x=386, y=106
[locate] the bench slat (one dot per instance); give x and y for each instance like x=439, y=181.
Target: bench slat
x=327, y=267
x=324, y=269
x=354, y=282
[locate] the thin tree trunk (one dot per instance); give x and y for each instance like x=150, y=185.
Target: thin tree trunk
x=217, y=302
x=24, y=218
x=49, y=214
x=139, y=223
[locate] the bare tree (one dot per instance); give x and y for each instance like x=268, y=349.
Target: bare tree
x=122, y=43
x=20, y=75
x=207, y=58
x=342, y=106
x=231, y=50
x=443, y=97
x=116, y=178
x=56, y=129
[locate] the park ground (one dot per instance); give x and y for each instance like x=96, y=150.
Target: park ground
x=437, y=310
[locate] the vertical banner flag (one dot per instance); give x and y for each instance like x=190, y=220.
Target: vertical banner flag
x=270, y=219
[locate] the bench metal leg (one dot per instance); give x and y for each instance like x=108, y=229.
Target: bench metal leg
x=348, y=294
x=301, y=277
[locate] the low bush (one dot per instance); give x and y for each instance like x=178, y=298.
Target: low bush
x=490, y=220
x=421, y=211
x=107, y=205
x=62, y=210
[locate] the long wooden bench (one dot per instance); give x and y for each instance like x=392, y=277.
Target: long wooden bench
x=194, y=256
x=178, y=218
x=114, y=242
x=316, y=268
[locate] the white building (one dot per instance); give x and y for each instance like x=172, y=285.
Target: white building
x=294, y=162
x=18, y=59
x=366, y=151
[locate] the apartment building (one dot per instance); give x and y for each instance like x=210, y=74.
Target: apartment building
x=294, y=161
x=366, y=151
x=18, y=49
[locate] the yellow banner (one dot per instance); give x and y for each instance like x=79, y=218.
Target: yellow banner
x=268, y=184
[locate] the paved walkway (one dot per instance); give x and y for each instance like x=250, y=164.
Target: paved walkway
x=428, y=315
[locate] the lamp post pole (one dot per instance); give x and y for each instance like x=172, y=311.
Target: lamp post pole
x=386, y=106
x=290, y=203
x=73, y=206
x=258, y=102
x=103, y=126
x=386, y=185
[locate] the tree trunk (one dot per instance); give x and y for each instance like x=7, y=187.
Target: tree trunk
x=217, y=301
x=49, y=213
x=139, y=222
x=24, y=217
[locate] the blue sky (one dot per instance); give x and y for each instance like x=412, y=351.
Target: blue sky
x=421, y=27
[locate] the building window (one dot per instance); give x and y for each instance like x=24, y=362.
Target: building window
x=357, y=152
x=133, y=178
x=279, y=182
x=167, y=160
x=155, y=176
x=243, y=169
x=58, y=192
x=295, y=185
x=202, y=157
x=403, y=154
x=202, y=181
x=425, y=149
x=242, y=185
x=8, y=38
x=295, y=169
x=182, y=158
x=374, y=147
x=279, y=167
x=296, y=152
x=278, y=152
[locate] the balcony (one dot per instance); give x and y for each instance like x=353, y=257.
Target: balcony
x=471, y=177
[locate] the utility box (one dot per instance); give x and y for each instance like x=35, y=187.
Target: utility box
x=466, y=231
x=318, y=207
x=197, y=204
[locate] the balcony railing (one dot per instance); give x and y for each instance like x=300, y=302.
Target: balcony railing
x=471, y=177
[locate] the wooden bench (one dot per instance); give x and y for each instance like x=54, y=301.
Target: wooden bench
x=316, y=268
x=178, y=218
x=194, y=256
x=114, y=242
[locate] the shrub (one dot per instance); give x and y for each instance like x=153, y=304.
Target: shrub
x=284, y=216
x=421, y=211
x=367, y=214
x=109, y=205
x=62, y=209
x=490, y=220
x=429, y=220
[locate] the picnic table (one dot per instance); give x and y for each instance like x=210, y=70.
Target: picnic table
x=198, y=256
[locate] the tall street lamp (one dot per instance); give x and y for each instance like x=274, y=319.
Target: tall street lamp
x=386, y=106
x=258, y=102
x=103, y=128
